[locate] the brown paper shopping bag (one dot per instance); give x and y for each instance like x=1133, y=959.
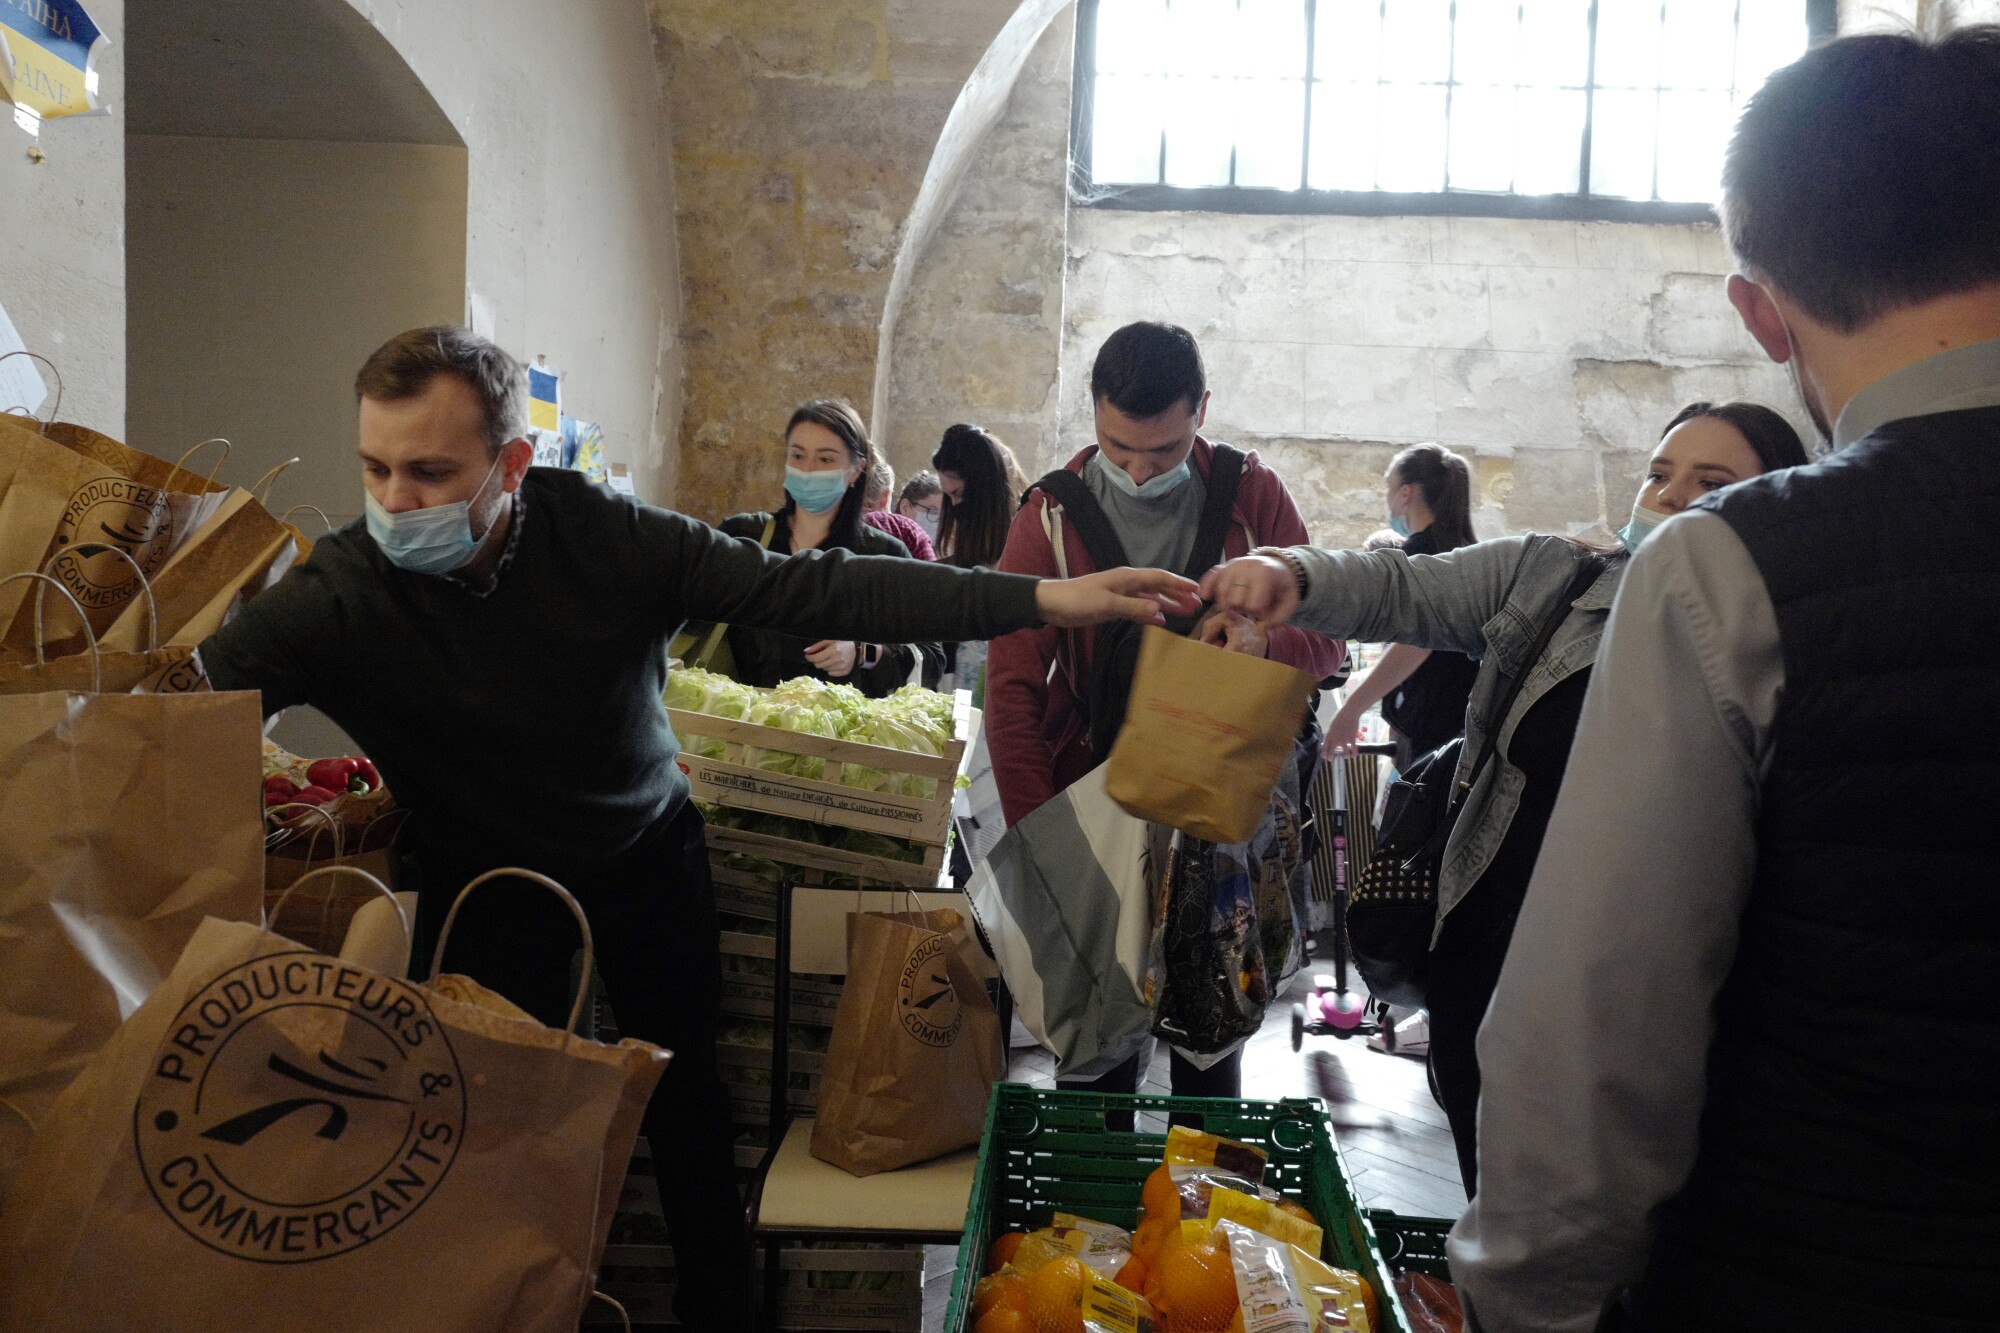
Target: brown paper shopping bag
x=156, y=670
x=1205, y=734
x=63, y=485
x=124, y=820
x=915, y=1050
x=282, y=1140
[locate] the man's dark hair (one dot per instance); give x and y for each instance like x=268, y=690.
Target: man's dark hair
x=404, y=367
x=1865, y=176
x=1771, y=437
x=1146, y=368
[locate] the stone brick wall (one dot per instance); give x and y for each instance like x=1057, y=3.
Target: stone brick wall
x=981, y=337
x=1551, y=353
x=802, y=129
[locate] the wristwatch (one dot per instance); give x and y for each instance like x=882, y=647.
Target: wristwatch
x=1292, y=562
x=868, y=656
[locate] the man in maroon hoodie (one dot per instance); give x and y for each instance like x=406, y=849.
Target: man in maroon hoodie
x=1149, y=473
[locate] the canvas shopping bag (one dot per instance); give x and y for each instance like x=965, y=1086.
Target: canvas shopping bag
x=1066, y=901
x=75, y=486
x=280, y=1140
x=1233, y=922
x=1206, y=733
x=915, y=1050
x=124, y=820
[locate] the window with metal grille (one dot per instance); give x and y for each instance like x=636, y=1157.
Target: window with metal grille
x=1540, y=108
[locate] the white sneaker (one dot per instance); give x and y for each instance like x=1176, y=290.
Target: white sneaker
x=1412, y=1037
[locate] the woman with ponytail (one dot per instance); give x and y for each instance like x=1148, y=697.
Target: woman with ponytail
x=1422, y=693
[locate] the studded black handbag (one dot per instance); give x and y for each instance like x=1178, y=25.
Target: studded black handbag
x=1393, y=912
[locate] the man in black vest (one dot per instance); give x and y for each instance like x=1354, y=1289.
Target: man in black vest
x=1743, y=1065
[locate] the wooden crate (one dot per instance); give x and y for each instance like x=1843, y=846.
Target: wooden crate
x=731, y=782
x=641, y=1278
x=818, y=864
x=751, y=997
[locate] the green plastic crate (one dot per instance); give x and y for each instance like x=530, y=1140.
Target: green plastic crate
x=1415, y=1243
x=1048, y=1152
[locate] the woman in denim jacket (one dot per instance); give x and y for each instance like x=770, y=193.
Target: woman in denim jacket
x=1490, y=601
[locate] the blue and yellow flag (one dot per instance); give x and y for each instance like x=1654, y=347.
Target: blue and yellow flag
x=544, y=393
x=47, y=49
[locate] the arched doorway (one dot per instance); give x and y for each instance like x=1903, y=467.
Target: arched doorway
x=294, y=196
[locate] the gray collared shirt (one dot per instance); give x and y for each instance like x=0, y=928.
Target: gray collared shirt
x=1593, y=1055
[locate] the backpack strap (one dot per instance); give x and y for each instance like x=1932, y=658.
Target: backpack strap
x=1225, y=471
x=1066, y=488
x=706, y=653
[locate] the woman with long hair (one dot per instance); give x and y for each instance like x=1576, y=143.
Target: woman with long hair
x=982, y=487
x=827, y=462
x=1422, y=693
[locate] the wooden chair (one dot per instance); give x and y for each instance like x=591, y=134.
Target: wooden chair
x=795, y=1196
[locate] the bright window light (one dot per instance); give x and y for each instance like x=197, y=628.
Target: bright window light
x=1628, y=100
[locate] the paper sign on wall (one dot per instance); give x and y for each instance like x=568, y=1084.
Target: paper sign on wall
x=21, y=386
x=48, y=53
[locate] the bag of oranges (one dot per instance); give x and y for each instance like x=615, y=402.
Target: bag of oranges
x=1280, y=1288
x=1063, y=1295
x=1198, y=1170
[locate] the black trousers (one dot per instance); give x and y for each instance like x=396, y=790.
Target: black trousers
x=652, y=920
x=1224, y=1078
x=1465, y=971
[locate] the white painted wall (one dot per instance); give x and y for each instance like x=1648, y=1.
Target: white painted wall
x=262, y=273
x=570, y=244
x=62, y=242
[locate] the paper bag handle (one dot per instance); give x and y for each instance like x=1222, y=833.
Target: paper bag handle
x=180, y=464
x=286, y=517
x=90, y=635
x=33, y=1129
x=339, y=850
x=575, y=910
x=327, y=872
x=260, y=489
x=145, y=586
x=54, y=412
x=623, y=1318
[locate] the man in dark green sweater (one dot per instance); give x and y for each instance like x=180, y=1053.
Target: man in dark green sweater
x=495, y=638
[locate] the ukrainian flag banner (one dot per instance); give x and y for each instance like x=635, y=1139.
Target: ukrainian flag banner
x=48, y=50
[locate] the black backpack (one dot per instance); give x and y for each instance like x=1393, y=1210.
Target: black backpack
x=1116, y=653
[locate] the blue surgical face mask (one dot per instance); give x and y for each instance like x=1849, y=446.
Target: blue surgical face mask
x=816, y=492
x=1164, y=484
x=1641, y=527
x=437, y=540
x=1399, y=525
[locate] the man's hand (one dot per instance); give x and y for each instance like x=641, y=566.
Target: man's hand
x=1144, y=595
x=836, y=657
x=1236, y=634
x=1261, y=587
